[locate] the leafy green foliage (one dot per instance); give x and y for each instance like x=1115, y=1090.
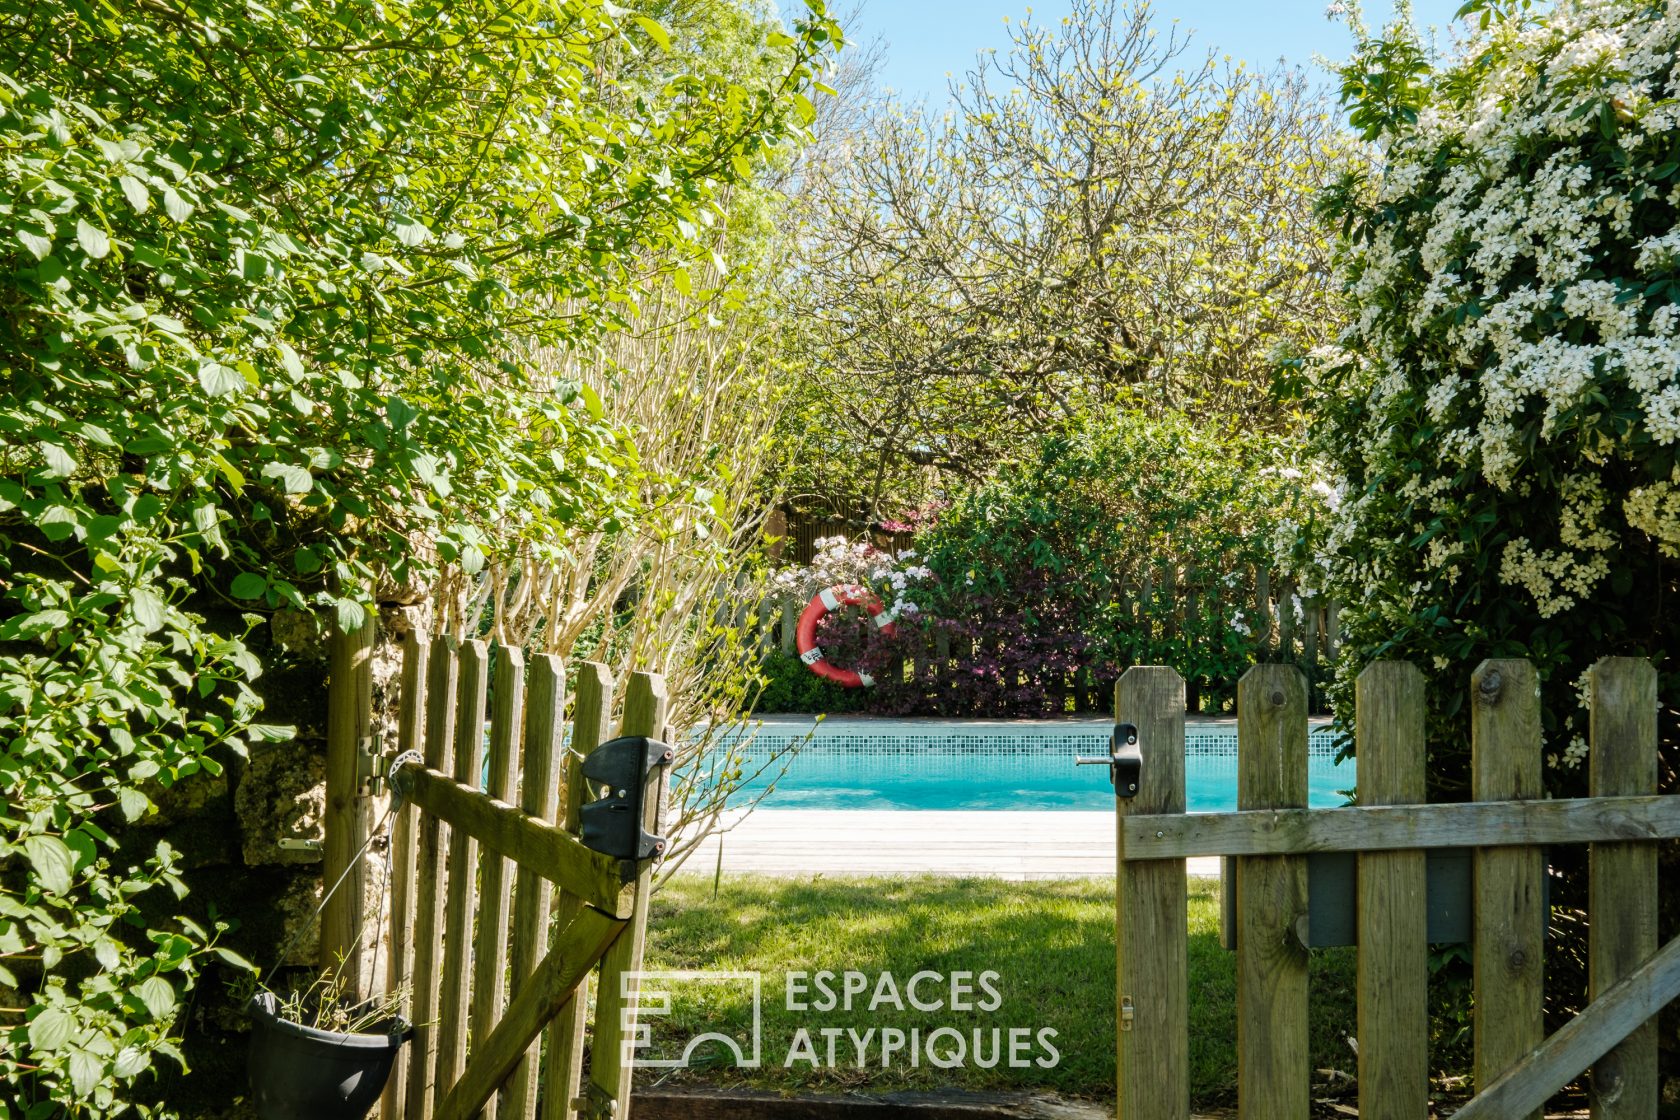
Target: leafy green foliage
x=269, y=275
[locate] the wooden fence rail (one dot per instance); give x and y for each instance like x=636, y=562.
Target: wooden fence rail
x=489, y=857
x=1507, y=825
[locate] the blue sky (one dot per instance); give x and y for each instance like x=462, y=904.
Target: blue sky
x=923, y=39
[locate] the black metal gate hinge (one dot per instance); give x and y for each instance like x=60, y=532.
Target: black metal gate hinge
x=612, y=823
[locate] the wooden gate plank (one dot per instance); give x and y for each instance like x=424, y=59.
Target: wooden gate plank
x=1393, y=968
x=591, y=726
x=1510, y=915
x=609, y=1063
x=348, y=816
x=576, y=949
x=1273, y=1063
x=399, y=959
x=532, y=894
x=1151, y=931
x=552, y=852
x=454, y=1005
x=1622, y=878
x=1613, y=1016
x=495, y=893
x=431, y=871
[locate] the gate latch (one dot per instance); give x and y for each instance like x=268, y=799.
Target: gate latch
x=612, y=824
x=1124, y=761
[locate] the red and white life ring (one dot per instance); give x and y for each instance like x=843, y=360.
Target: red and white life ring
x=832, y=599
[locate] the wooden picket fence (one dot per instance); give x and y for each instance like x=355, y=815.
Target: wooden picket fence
x=1272, y=838
x=1286, y=627
x=481, y=876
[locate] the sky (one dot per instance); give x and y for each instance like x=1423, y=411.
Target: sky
x=922, y=40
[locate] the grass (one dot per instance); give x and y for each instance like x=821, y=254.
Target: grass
x=1051, y=944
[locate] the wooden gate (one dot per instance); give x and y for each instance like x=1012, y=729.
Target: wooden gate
x=1272, y=834
x=500, y=910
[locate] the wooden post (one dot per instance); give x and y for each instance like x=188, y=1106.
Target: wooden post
x=1309, y=648
x=533, y=896
x=591, y=726
x=431, y=873
x=349, y=814
x=1393, y=913
x=454, y=1005
x=490, y=937
x=1273, y=1074
x=1622, y=878
x=791, y=609
x=1151, y=926
x=1286, y=620
x=1263, y=608
x=609, y=1065
x=399, y=962
x=1510, y=918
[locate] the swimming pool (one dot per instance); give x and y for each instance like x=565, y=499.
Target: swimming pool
x=860, y=763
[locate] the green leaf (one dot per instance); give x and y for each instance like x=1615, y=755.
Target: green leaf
x=175, y=206
x=218, y=380
x=351, y=614
x=86, y=1071
x=134, y=803
x=399, y=412
x=248, y=585
x=136, y=193
x=158, y=996
x=235, y=959
x=410, y=231
x=655, y=32
x=52, y=861
x=295, y=479
x=147, y=608
x=51, y=1029
x=39, y=244
x=131, y=1062
x=59, y=462
x=93, y=240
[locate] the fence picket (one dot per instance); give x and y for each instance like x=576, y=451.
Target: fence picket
x=1273, y=1074
x=1510, y=918
x=1621, y=906
x=1393, y=915
x=1151, y=944
x=591, y=726
x=399, y=960
x=609, y=1066
x=533, y=896
x=431, y=871
x=490, y=938
x=454, y=1006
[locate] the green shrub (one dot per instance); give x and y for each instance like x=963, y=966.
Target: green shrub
x=263, y=266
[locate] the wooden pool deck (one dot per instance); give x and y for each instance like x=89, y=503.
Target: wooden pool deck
x=1002, y=844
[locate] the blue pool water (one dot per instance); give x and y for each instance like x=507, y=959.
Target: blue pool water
x=853, y=763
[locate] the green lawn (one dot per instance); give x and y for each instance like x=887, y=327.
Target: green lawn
x=1051, y=944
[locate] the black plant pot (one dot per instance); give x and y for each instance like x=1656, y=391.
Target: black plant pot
x=300, y=1073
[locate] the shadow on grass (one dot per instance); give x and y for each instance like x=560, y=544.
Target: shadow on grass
x=1051, y=944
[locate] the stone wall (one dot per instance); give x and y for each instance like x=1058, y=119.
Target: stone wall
x=250, y=843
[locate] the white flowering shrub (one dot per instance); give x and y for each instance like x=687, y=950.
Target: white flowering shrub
x=1505, y=404
x=837, y=561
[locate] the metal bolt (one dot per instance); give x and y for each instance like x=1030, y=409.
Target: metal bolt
x=1132, y=786
x=623, y=793
x=1159, y=834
